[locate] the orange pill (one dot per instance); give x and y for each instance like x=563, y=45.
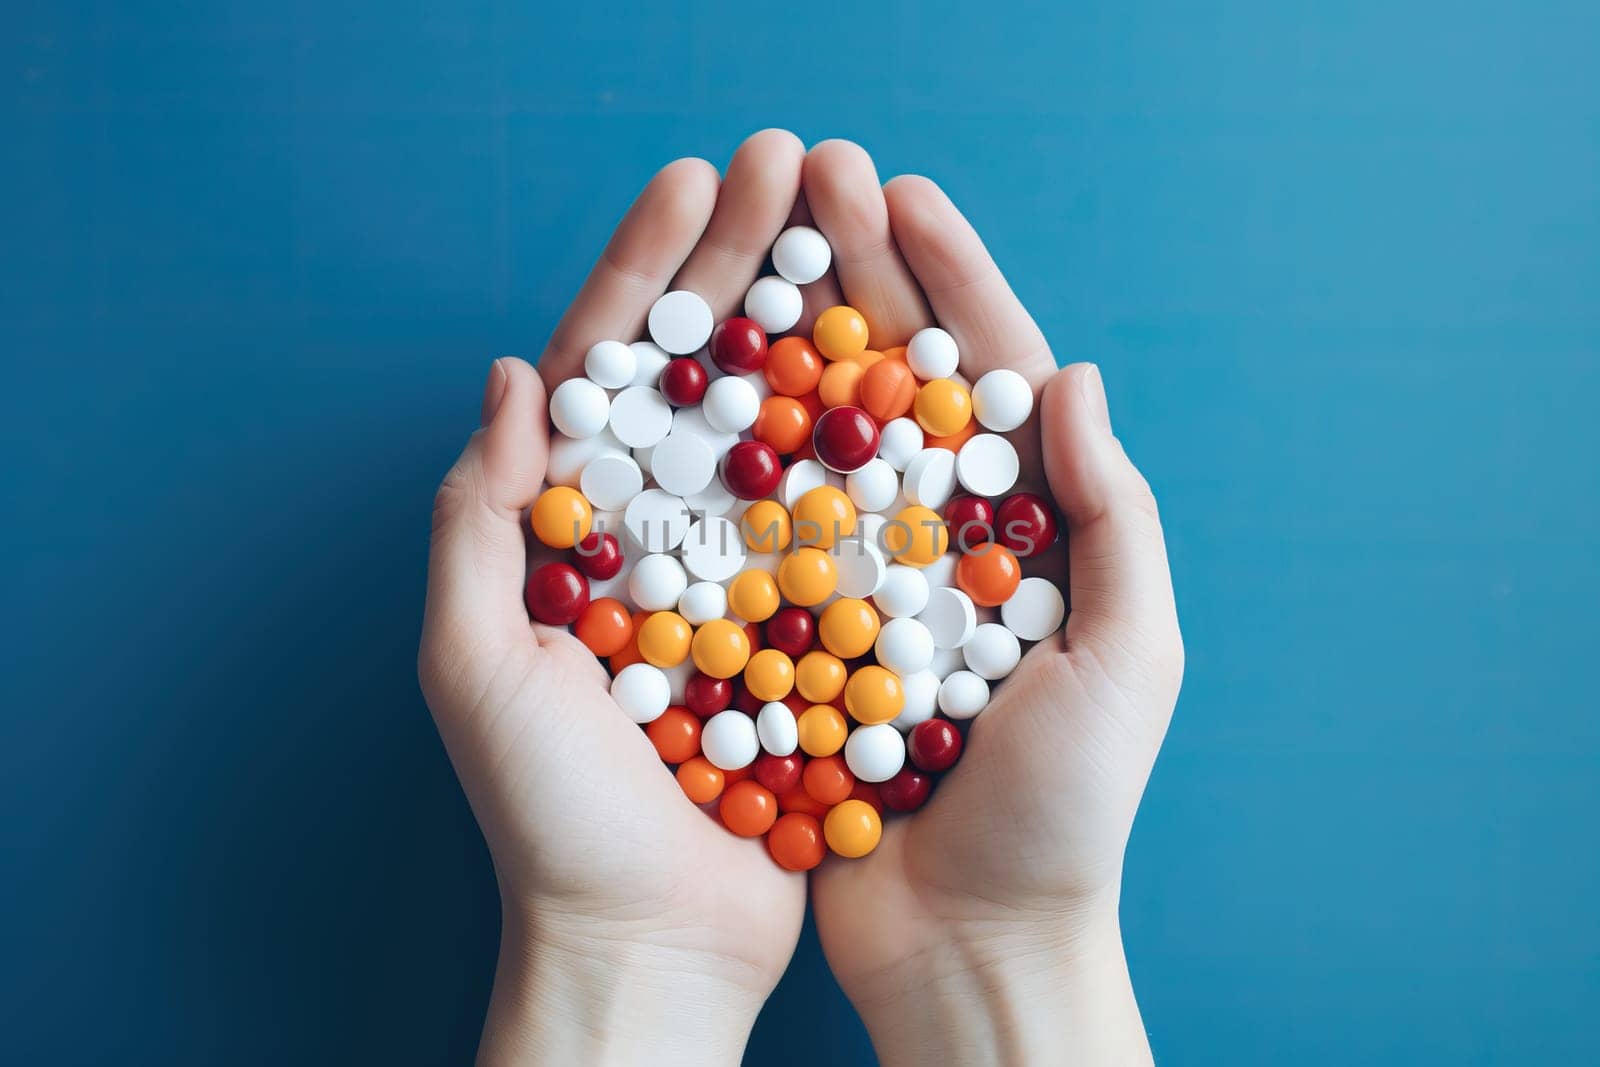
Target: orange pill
x=782, y=422
x=700, y=780
x=841, y=384
x=989, y=574
x=795, y=841
x=630, y=653
x=605, y=626
x=676, y=735
x=766, y=527
x=794, y=366
x=888, y=389
x=798, y=800
x=840, y=333
x=954, y=441
x=828, y=780
x=748, y=808
x=868, y=358
x=822, y=730
x=897, y=352
x=738, y=775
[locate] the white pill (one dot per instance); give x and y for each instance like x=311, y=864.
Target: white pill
x=963, y=694
x=942, y=571
x=950, y=617
x=1002, y=400
x=801, y=254
x=729, y=740
x=640, y=416
x=946, y=661
x=802, y=476
x=993, y=652
x=680, y=322
x=678, y=678
x=683, y=464
x=656, y=520
x=702, y=602
x=692, y=420
x=714, y=499
x=869, y=528
x=611, y=480
x=931, y=478
x=713, y=549
x=875, y=753
x=931, y=353
x=730, y=405
x=758, y=382
x=900, y=440
x=860, y=565
x=642, y=692
x=988, y=465
x=578, y=408
x=764, y=561
x=904, y=646
x=643, y=457
x=610, y=364
x=1035, y=611
x=657, y=582
x=903, y=593
x=569, y=455
x=922, y=700
x=776, y=729
x=774, y=303
x=649, y=362
x=872, y=487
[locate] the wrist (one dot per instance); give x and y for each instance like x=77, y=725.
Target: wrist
x=566, y=991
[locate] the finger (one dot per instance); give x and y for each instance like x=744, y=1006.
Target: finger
x=476, y=564
x=757, y=195
x=1121, y=589
x=967, y=291
x=842, y=189
x=649, y=245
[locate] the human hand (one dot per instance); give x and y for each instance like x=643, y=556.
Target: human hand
x=634, y=928
x=984, y=927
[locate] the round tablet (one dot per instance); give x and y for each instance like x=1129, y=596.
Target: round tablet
x=900, y=440
x=993, y=651
x=801, y=254
x=950, y=617
x=640, y=416
x=610, y=364
x=776, y=729
x=642, y=692
x=942, y=571
x=569, y=456
x=611, y=480
x=682, y=464
x=714, y=499
x=932, y=353
x=1035, y=611
x=802, y=476
x=875, y=753
x=1002, y=400
x=692, y=420
x=713, y=549
x=648, y=363
x=575, y=408
x=931, y=478
x=729, y=740
x=656, y=520
x=861, y=567
x=963, y=694
x=922, y=699
x=874, y=486
x=903, y=592
x=680, y=322
x=774, y=303
x=946, y=661
x=702, y=602
x=731, y=405
x=987, y=465
x=904, y=646
x=657, y=582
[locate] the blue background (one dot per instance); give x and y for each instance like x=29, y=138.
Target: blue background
x=1339, y=263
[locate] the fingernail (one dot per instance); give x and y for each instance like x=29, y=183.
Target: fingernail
x=1094, y=395
x=494, y=391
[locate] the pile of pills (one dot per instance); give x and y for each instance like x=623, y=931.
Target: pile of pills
x=799, y=557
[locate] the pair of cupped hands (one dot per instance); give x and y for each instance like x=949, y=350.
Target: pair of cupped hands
x=635, y=928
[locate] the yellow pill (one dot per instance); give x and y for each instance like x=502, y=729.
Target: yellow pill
x=769, y=675
x=720, y=648
x=822, y=730
x=819, y=676
x=822, y=516
x=916, y=536
x=840, y=333
x=807, y=577
x=848, y=627
x=874, y=695
x=561, y=517
x=766, y=527
x=664, y=639
x=753, y=596
x=852, y=828
x=943, y=407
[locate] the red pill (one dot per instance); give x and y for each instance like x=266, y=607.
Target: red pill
x=790, y=631
x=971, y=522
x=599, y=556
x=798, y=800
x=1026, y=524
x=846, y=438
x=739, y=346
x=747, y=701
x=867, y=793
x=906, y=791
x=683, y=382
x=751, y=470
x=556, y=594
x=778, y=773
x=705, y=695
x=934, y=746
x=795, y=841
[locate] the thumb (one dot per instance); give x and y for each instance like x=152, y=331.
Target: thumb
x=1121, y=589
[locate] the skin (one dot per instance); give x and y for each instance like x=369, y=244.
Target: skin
x=984, y=928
